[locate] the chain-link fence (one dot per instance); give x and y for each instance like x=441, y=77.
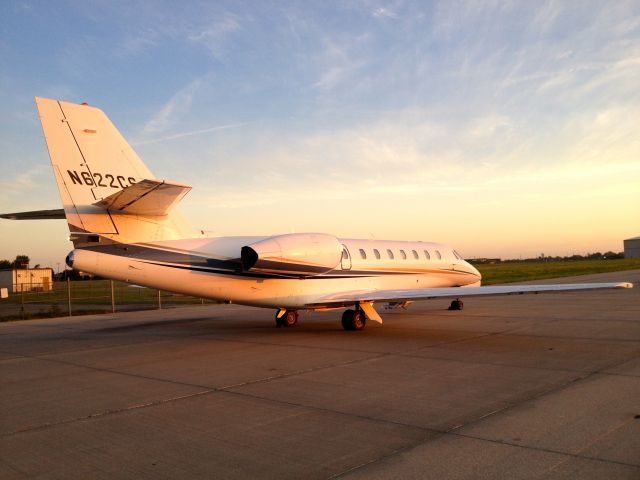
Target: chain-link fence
x=81, y=297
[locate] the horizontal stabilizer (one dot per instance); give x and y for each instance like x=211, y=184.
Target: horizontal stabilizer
x=57, y=214
x=147, y=197
x=349, y=298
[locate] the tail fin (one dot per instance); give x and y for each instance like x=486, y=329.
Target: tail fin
x=93, y=164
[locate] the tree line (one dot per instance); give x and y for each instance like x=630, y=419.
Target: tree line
x=545, y=258
x=21, y=261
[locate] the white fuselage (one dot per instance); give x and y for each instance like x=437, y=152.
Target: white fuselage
x=209, y=268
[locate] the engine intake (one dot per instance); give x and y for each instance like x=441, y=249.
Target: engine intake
x=294, y=254
x=70, y=258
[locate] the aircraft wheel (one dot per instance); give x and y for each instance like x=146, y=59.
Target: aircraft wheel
x=456, y=305
x=347, y=319
x=290, y=318
x=353, y=320
x=359, y=320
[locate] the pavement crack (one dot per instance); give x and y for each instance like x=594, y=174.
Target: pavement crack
x=543, y=449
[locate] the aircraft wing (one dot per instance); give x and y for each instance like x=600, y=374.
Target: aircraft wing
x=148, y=197
x=360, y=296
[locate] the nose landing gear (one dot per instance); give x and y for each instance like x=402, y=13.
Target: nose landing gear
x=456, y=305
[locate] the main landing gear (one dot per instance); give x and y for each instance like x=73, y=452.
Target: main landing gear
x=354, y=320
x=287, y=319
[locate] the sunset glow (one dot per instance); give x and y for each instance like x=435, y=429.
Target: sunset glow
x=507, y=130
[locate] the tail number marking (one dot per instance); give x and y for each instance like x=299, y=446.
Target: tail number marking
x=100, y=179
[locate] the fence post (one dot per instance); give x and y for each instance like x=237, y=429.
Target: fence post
x=22, y=312
x=69, y=294
x=113, y=299
x=159, y=301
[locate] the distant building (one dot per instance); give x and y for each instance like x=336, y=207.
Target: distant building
x=632, y=247
x=18, y=280
x=485, y=260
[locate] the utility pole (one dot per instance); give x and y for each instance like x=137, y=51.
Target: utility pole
x=113, y=299
x=69, y=294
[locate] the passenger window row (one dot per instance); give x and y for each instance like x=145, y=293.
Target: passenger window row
x=403, y=254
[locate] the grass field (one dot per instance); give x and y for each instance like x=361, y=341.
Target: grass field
x=522, y=271
x=97, y=292
x=90, y=296
x=94, y=296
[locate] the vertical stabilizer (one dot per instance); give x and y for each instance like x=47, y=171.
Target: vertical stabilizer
x=92, y=161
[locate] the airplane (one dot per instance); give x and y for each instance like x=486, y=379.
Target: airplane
x=125, y=226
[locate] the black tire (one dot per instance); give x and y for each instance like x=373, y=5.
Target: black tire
x=347, y=319
x=456, y=305
x=290, y=318
x=359, y=320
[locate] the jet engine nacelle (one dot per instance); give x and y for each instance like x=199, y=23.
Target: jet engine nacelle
x=294, y=254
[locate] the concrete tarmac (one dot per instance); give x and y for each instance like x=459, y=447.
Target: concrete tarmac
x=531, y=386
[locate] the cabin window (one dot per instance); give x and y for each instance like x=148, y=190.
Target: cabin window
x=426, y=255
x=345, y=255
x=390, y=253
x=376, y=253
x=404, y=255
x=415, y=254
x=438, y=255
x=363, y=254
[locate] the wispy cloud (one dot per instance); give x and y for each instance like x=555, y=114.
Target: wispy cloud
x=336, y=64
x=546, y=16
x=178, y=105
x=383, y=12
x=137, y=42
x=216, y=33
x=489, y=125
x=26, y=180
x=28, y=189
x=180, y=135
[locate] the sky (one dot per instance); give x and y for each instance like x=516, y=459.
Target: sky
x=506, y=129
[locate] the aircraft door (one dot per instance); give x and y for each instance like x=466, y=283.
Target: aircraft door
x=345, y=263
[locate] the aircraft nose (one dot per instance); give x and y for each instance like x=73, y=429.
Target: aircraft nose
x=474, y=270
